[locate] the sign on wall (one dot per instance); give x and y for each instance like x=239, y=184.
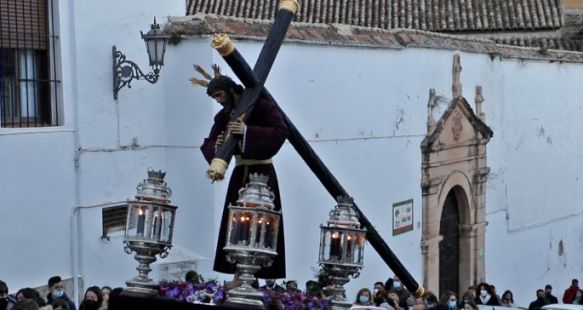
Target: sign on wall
x=402, y=217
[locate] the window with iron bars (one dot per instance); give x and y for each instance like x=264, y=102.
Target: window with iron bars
x=29, y=95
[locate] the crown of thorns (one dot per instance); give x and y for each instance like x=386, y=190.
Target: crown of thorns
x=206, y=75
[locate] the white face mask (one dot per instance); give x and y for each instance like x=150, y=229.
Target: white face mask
x=483, y=293
x=397, y=284
x=363, y=299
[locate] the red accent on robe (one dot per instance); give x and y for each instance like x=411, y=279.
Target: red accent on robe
x=266, y=133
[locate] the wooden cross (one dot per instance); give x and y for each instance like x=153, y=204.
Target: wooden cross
x=254, y=80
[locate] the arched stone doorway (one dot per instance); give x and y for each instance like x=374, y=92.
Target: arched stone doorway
x=454, y=174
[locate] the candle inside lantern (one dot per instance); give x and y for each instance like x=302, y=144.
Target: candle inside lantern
x=349, y=247
x=335, y=250
x=141, y=222
x=243, y=231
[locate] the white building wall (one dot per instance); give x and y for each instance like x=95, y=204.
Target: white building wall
x=363, y=110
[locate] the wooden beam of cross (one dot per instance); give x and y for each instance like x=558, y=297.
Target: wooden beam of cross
x=283, y=18
x=250, y=80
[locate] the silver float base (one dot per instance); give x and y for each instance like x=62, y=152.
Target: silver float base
x=340, y=305
x=140, y=288
x=246, y=296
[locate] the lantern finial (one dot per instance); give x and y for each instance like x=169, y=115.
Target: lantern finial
x=258, y=178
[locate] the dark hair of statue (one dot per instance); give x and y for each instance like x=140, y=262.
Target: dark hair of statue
x=223, y=82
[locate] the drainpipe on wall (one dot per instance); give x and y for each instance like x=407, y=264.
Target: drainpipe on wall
x=68, y=9
x=75, y=254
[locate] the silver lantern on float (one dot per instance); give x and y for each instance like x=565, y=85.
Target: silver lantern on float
x=251, y=238
x=341, y=249
x=149, y=228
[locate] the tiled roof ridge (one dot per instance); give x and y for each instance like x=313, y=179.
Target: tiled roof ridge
x=431, y=15
x=345, y=35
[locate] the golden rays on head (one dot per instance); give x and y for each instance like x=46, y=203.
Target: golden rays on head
x=206, y=75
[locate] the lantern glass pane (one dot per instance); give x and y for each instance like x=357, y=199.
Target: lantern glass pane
x=138, y=220
x=271, y=229
x=160, y=49
x=131, y=223
x=260, y=230
x=325, y=245
x=351, y=245
x=336, y=246
x=151, y=49
x=156, y=227
x=240, y=229
x=360, y=249
x=166, y=223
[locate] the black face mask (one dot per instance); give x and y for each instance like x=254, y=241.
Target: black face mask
x=91, y=304
x=3, y=303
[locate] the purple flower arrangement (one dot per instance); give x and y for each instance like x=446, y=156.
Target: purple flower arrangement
x=209, y=293
x=294, y=301
x=212, y=293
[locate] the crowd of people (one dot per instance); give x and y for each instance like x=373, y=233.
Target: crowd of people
x=393, y=296
x=27, y=298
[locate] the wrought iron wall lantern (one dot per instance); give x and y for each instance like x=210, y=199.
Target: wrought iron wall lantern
x=124, y=71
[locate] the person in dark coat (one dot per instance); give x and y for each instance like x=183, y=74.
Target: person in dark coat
x=6, y=301
x=549, y=297
x=539, y=302
x=486, y=296
x=57, y=291
x=261, y=135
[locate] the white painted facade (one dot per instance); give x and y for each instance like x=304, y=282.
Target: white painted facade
x=364, y=112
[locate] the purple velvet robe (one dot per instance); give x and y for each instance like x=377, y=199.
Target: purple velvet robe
x=266, y=133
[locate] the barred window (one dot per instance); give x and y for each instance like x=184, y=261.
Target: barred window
x=28, y=84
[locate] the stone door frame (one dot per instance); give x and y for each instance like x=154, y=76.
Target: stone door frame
x=454, y=158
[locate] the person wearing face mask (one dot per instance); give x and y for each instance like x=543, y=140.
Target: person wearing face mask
x=449, y=298
x=57, y=291
x=401, y=291
x=363, y=298
x=93, y=299
x=486, y=296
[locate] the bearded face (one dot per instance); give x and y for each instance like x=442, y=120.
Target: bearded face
x=226, y=98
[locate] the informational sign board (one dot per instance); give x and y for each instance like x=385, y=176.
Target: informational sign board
x=402, y=217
